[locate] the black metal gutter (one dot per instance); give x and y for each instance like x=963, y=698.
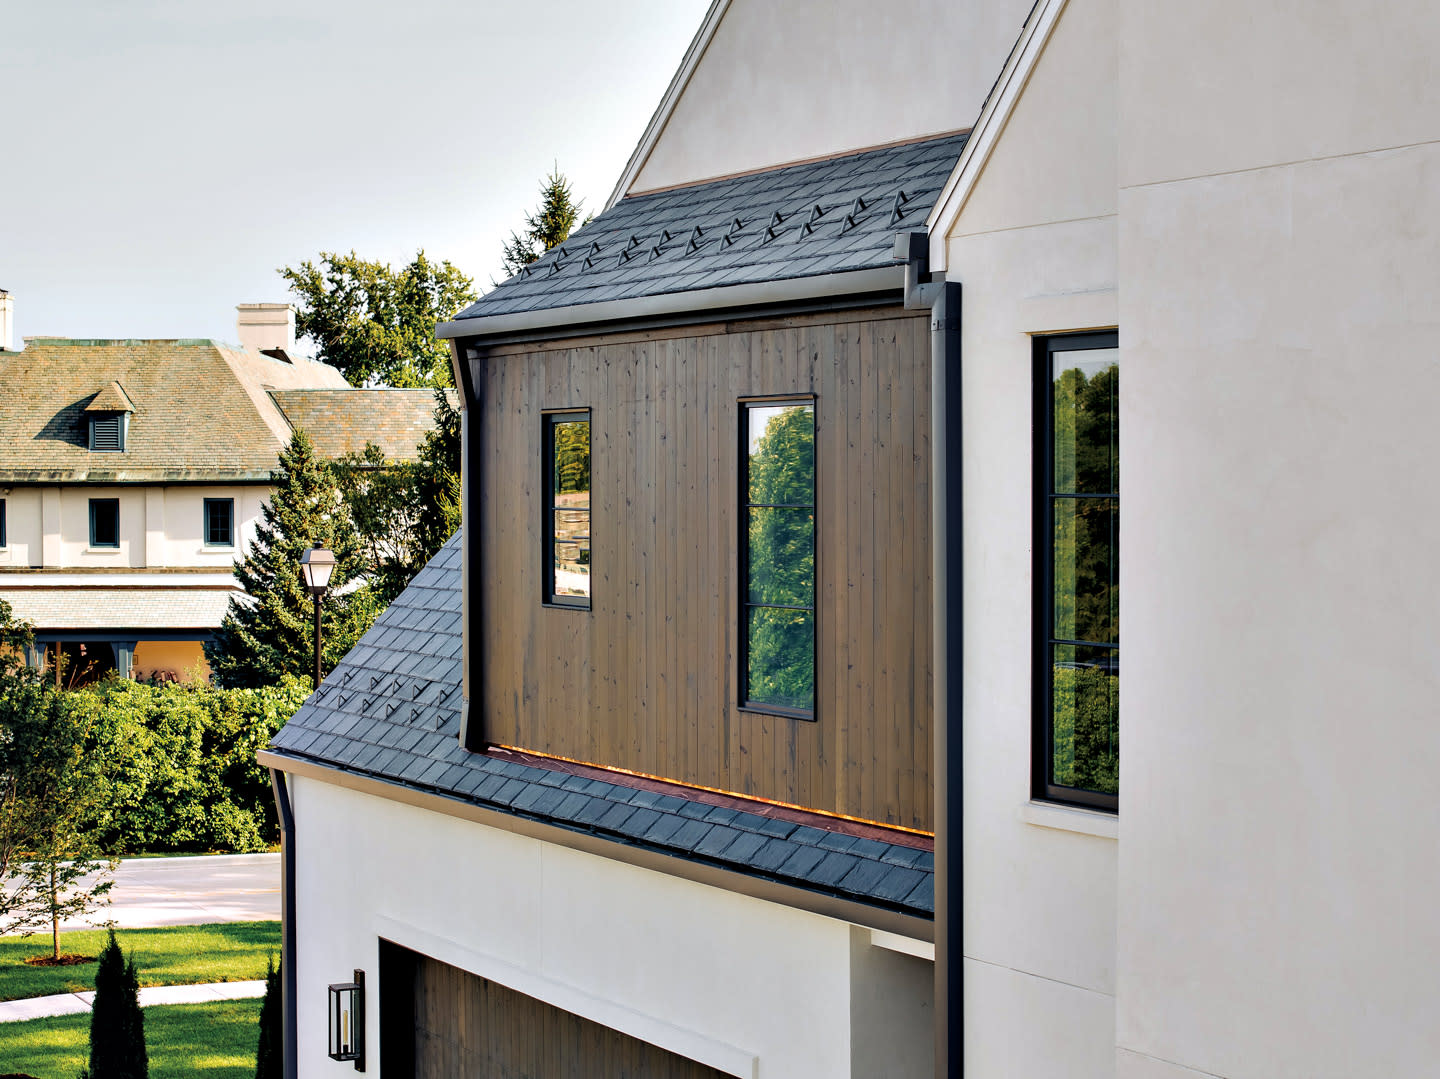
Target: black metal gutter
x=288, y=980
x=923, y=289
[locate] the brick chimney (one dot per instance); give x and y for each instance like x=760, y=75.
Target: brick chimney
x=267, y=327
x=7, y=322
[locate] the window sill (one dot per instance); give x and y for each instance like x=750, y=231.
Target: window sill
x=1071, y=819
x=776, y=713
x=102, y=550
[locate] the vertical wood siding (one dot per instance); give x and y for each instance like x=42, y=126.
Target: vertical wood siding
x=647, y=679
x=440, y=1022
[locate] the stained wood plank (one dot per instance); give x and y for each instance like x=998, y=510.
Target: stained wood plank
x=647, y=679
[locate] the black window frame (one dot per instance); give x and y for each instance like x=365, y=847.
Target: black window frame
x=549, y=418
x=744, y=505
x=4, y=540
x=121, y=423
x=229, y=504
x=114, y=504
x=1043, y=689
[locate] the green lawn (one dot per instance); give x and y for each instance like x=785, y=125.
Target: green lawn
x=213, y=1041
x=176, y=955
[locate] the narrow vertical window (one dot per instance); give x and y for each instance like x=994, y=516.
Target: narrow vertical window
x=104, y=522
x=1077, y=571
x=777, y=556
x=567, y=508
x=3, y=542
x=219, y=522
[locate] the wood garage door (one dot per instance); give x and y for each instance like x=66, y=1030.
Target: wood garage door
x=440, y=1022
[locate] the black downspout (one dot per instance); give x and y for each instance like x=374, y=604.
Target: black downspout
x=288, y=980
x=923, y=289
x=949, y=598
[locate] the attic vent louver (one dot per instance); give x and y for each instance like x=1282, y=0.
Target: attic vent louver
x=107, y=433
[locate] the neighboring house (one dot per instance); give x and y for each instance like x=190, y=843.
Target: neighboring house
x=782, y=553
x=132, y=476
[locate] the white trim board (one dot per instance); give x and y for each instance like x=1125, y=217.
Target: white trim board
x=666, y=108
x=994, y=117
x=648, y=1028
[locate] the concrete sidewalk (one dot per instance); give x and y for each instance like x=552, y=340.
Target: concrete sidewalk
x=12, y=1011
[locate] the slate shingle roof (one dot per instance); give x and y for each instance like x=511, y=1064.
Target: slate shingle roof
x=119, y=608
x=823, y=217
x=342, y=421
x=202, y=411
x=390, y=710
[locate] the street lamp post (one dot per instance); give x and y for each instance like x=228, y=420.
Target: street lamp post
x=316, y=565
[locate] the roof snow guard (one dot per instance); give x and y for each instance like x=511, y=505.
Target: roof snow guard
x=391, y=712
x=833, y=216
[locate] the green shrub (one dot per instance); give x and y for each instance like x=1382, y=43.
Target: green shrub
x=188, y=778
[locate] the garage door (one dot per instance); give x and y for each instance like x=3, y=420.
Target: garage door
x=440, y=1022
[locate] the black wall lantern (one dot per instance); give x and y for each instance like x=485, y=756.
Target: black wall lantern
x=347, y=1021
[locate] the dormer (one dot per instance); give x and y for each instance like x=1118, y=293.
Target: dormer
x=109, y=419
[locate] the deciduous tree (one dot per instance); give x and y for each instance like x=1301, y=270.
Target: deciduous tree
x=377, y=324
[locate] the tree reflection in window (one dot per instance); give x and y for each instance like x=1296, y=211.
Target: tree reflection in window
x=778, y=556
x=567, y=558
x=1082, y=508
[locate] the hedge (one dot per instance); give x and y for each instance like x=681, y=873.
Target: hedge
x=186, y=777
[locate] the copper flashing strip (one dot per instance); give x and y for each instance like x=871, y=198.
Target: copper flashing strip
x=770, y=891
x=858, y=827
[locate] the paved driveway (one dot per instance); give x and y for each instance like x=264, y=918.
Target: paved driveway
x=190, y=891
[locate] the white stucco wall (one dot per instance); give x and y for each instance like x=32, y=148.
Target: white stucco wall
x=22, y=527
x=1034, y=249
x=761, y=989
x=160, y=527
x=807, y=78
x=1279, y=306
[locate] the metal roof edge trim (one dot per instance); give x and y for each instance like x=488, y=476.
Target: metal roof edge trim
x=813, y=902
x=990, y=126
x=820, y=286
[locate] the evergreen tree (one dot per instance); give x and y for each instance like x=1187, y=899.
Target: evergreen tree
x=117, y=1025
x=549, y=226
x=269, y=1053
x=377, y=324
x=269, y=631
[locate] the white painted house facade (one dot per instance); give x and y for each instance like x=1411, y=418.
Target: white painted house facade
x=133, y=475
x=1237, y=210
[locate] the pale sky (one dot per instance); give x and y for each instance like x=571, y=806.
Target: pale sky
x=160, y=159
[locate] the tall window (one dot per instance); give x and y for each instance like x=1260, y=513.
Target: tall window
x=567, y=508
x=777, y=556
x=104, y=522
x=1077, y=551
x=219, y=522
x=2, y=524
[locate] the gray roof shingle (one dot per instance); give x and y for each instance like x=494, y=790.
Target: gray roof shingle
x=822, y=217
x=380, y=714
